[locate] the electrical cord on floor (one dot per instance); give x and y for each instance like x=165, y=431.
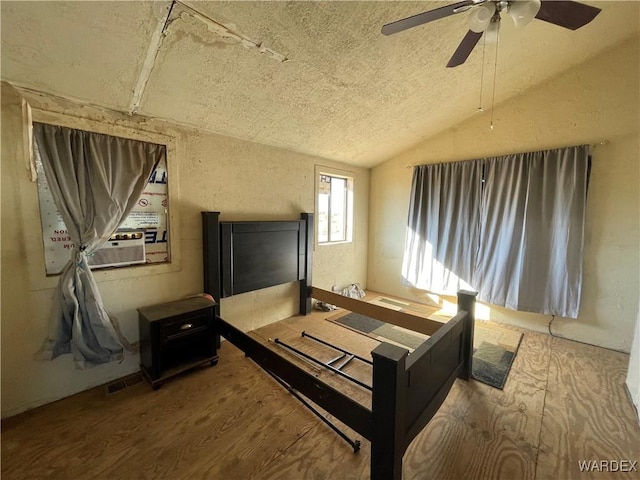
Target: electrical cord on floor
x=553, y=317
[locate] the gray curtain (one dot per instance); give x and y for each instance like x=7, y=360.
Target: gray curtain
x=443, y=227
x=95, y=181
x=531, y=242
x=511, y=228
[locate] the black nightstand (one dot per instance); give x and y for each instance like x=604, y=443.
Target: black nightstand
x=175, y=337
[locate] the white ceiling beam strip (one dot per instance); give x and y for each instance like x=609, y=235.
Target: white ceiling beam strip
x=150, y=59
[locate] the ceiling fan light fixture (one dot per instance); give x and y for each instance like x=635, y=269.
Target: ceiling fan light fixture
x=523, y=11
x=480, y=17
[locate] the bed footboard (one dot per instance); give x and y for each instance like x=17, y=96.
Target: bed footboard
x=408, y=390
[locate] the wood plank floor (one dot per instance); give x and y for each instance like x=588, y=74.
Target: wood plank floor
x=563, y=402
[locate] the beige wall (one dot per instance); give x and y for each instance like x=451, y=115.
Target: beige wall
x=596, y=101
x=633, y=374
x=242, y=180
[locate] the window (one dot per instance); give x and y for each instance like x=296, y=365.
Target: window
x=142, y=238
x=335, y=208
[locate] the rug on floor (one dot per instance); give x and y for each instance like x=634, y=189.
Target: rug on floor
x=494, y=348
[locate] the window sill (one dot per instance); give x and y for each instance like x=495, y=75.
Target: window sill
x=323, y=244
x=43, y=282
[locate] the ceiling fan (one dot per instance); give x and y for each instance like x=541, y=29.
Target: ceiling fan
x=485, y=17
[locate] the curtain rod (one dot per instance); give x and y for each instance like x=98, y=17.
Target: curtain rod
x=591, y=146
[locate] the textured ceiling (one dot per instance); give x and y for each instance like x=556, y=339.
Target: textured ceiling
x=345, y=91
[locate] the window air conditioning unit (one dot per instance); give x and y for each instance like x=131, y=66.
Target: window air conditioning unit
x=125, y=247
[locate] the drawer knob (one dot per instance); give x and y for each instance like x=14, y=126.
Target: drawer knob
x=186, y=326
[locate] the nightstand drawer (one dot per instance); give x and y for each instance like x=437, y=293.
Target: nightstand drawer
x=172, y=330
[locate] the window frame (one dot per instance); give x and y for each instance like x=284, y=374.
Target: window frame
x=349, y=201
x=38, y=278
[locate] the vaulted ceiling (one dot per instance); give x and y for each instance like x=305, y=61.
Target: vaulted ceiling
x=314, y=77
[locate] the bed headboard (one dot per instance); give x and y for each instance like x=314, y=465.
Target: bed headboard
x=245, y=256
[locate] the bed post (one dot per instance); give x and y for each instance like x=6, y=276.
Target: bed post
x=467, y=302
x=388, y=411
x=305, y=283
x=211, y=259
x=211, y=253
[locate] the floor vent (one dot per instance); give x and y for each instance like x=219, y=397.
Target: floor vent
x=134, y=379
x=123, y=383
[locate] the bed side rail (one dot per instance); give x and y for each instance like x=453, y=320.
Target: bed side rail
x=338, y=404
x=394, y=317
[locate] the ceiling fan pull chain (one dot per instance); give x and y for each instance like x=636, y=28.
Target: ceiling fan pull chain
x=495, y=70
x=484, y=46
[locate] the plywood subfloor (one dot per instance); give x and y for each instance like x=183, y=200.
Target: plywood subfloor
x=563, y=402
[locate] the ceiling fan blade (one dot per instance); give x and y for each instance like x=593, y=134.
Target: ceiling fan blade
x=463, y=51
x=425, y=17
x=571, y=15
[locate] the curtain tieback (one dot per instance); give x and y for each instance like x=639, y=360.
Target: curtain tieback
x=81, y=255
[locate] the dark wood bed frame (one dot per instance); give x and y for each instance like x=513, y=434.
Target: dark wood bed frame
x=407, y=389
